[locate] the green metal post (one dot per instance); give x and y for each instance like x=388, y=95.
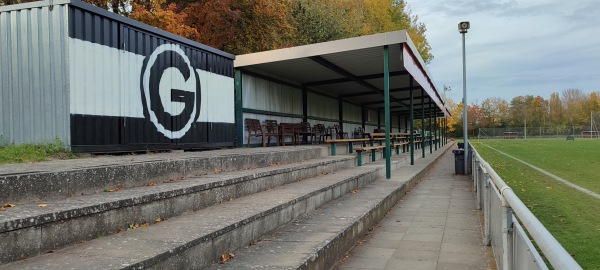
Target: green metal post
x=435, y=129
x=444, y=127
x=445, y=130
x=333, y=149
x=412, y=125
x=350, y=150
x=388, y=123
x=239, y=114
x=423, y=122
x=373, y=155
x=431, y=132
x=359, y=158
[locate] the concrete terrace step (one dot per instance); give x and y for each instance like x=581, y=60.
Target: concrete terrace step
x=66, y=178
x=196, y=239
x=28, y=230
x=320, y=239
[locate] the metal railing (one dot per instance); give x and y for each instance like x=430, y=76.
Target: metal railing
x=505, y=220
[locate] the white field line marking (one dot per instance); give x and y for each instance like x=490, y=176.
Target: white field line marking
x=586, y=191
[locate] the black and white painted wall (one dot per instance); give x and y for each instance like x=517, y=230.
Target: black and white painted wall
x=131, y=86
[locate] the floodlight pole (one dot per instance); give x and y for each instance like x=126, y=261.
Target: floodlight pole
x=462, y=28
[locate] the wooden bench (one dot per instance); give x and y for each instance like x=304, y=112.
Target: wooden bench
x=374, y=149
x=349, y=141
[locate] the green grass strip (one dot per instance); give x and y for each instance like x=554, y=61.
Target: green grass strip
x=571, y=217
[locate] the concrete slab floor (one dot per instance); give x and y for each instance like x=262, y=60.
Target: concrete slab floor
x=435, y=226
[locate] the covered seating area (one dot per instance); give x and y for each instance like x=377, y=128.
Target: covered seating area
x=372, y=87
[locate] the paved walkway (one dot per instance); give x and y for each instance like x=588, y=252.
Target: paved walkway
x=435, y=226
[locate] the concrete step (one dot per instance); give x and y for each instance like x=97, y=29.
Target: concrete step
x=196, y=239
x=67, y=178
x=29, y=230
x=320, y=239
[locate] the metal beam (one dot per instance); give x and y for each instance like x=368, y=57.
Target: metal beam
x=322, y=61
x=388, y=123
x=431, y=134
x=393, y=90
x=422, y=124
x=364, y=77
x=239, y=114
x=412, y=126
x=305, y=104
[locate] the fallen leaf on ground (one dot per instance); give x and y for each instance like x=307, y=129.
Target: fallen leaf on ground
x=114, y=189
x=43, y=205
x=157, y=220
x=8, y=205
x=226, y=257
x=354, y=191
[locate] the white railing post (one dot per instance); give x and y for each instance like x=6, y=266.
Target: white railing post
x=507, y=239
x=479, y=174
x=486, y=209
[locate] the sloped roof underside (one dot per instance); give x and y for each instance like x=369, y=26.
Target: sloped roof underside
x=353, y=70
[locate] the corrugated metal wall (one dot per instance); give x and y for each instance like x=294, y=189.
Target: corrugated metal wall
x=137, y=88
x=33, y=75
x=260, y=94
x=322, y=107
x=283, y=102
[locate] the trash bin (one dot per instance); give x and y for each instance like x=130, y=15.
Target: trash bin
x=461, y=145
x=459, y=161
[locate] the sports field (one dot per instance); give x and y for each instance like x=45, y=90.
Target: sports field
x=571, y=215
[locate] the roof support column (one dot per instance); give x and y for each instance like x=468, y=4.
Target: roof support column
x=412, y=124
x=341, y=113
x=431, y=131
x=388, y=124
x=423, y=122
x=436, y=129
x=363, y=116
x=239, y=114
x=304, y=104
x=442, y=130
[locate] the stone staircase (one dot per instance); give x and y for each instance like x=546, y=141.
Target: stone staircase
x=189, y=211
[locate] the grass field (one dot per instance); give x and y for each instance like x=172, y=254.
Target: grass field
x=570, y=215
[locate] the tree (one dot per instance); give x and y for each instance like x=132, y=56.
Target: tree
x=475, y=115
x=263, y=25
x=519, y=110
x=324, y=20
x=556, y=110
x=166, y=18
x=454, y=123
x=538, y=111
x=215, y=20
x=574, y=101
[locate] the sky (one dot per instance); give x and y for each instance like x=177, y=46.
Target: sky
x=514, y=47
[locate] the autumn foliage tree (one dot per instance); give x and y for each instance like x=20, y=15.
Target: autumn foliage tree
x=245, y=26
x=571, y=109
x=165, y=17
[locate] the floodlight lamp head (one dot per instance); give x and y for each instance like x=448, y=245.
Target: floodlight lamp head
x=463, y=27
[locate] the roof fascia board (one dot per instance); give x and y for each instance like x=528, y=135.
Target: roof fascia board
x=324, y=48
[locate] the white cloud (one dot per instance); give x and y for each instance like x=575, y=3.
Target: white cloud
x=514, y=47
